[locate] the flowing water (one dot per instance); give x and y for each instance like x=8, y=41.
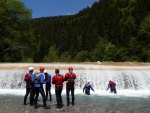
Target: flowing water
x=133, y=84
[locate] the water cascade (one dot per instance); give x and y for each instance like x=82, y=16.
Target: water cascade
x=135, y=79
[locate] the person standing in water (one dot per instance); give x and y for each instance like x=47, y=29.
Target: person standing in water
x=48, y=85
x=58, y=80
x=112, y=86
x=87, y=88
x=39, y=81
x=70, y=82
x=29, y=79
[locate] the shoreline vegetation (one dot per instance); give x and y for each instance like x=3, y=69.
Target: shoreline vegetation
x=77, y=66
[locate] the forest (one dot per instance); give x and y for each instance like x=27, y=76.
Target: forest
x=109, y=30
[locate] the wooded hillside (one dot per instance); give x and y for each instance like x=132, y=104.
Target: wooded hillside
x=111, y=30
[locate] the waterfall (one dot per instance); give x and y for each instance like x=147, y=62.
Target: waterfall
x=136, y=79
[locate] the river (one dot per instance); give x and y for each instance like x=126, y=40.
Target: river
x=132, y=79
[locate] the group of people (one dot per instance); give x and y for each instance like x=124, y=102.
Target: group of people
x=35, y=81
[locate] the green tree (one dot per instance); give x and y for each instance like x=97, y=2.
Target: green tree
x=65, y=57
x=15, y=30
x=122, y=54
x=99, y=52
x=52, y=55
x=110, y=52
x=82, y=56
x=144, y=31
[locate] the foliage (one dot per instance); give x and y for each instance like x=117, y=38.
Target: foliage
x=110, y=30
x=15, y=26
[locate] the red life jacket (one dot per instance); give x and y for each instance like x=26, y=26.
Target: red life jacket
x=58, y=80
x=70, y=76
x=112, y=84
x=27, y=78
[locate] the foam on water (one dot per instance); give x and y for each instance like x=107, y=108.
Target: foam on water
x=132, y=81
x=120, y=93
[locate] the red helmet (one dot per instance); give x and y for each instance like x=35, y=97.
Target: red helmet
x=70, y=68
x=41, y=69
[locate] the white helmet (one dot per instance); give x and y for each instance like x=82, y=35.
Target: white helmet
x=31, y=68
x=88, y=81
x=45, y=71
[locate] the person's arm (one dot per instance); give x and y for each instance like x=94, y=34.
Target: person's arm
x=53, y=80
x=63, y=78
x=42, y=79
x=66, y=78
x=49, y=78
x=91, y=88
x=32, y=78
x=108, y=87
x=83, y=89
x=75, y=76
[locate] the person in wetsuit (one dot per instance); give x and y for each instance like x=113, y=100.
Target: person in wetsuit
x=87, y=88
x=29, y=79
x=112, y=86
x=70, y=82
x=48, y=85
x=39, y=81
x=58, y=80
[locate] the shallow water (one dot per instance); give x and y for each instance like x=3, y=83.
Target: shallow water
x=103, y=104
x=133, y=89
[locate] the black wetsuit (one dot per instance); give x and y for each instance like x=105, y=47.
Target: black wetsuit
x=48, y=86
x=29, y=89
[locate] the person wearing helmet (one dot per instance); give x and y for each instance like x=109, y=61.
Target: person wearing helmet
x=29, y=79
x=87, y=88
x=39, y=81
x=48, y=85
x=58, y=80
x=70, y=81
x=112, y=86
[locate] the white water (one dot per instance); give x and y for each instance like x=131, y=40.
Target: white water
x=134, y=82
x=121, y=93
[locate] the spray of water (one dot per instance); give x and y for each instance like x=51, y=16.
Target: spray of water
x=129, y=81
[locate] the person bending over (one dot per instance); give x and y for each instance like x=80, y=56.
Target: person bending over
x=87, y=88
x=112, y=86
